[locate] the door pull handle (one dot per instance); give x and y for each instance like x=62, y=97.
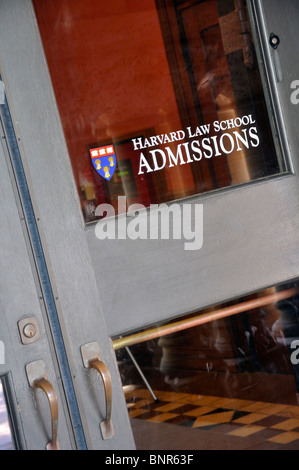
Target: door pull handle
x=91, y=360
x=37, y=378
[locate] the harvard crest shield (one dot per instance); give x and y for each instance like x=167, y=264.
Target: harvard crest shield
x=104, y=160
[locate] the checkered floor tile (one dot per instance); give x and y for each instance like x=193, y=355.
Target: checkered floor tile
x=277, y=423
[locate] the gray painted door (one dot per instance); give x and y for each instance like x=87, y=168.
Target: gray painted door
x=64, y=248
x=250, y=231
x=24, y=331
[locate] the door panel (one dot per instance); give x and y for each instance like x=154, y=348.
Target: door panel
x=246, y=215
x=255, y=250
x=68, y=260
x=108, y=287
x=22, y=301
x=240, y=224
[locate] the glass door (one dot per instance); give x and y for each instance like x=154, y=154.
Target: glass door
x=225, y=378
x=186, y=121
x=158, y=139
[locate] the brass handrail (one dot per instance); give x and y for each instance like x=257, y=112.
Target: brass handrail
x=152, y=333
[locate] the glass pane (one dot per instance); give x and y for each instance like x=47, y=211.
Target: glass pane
x=6, y=439
x=158, y=100
x=227, y=384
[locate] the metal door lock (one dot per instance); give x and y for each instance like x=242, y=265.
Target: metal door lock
x=29, y=330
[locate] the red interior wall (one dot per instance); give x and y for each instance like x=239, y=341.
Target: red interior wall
x=109, y=70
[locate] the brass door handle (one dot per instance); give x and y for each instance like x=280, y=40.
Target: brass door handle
x=91, y=360
x=37, y=378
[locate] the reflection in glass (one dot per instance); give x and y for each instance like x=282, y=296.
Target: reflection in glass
x=172, y=86
x=231, y=383
x=6, y=440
